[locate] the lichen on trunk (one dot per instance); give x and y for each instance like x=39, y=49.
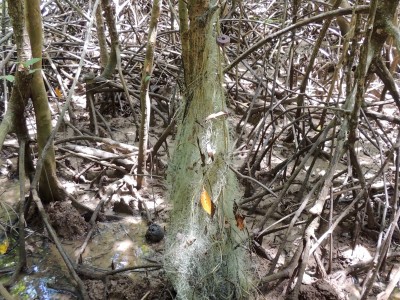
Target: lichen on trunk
x=204, y=254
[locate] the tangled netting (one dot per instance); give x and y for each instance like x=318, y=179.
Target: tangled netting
x=201, y=267
x=204, y=256
x=205, y=253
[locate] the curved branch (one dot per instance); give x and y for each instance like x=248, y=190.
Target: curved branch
x=317, y=18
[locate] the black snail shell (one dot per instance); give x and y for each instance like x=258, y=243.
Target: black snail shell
x=155, y=233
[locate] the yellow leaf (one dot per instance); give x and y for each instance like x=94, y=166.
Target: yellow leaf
x=58, y=92
x=206, y=203
x=4, y=246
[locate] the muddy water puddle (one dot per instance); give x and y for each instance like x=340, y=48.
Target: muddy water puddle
x=114, y=245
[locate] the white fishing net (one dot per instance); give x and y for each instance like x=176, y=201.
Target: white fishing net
x=204, y=254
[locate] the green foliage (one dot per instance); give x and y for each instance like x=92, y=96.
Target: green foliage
x=31, y=61
x=26, y=65
x=33, y=71
x=10, y=78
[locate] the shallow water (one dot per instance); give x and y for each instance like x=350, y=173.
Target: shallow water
x=114, y=245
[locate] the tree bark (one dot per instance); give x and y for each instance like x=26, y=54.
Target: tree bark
x=12, y=120
x=101, y=37
x=112, y=29
x=145, y=105
x=49, y=187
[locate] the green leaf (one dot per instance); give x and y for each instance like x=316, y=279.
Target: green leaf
x=147, y=78
x=10, y=78
x=33, y=71
x=31, y=61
